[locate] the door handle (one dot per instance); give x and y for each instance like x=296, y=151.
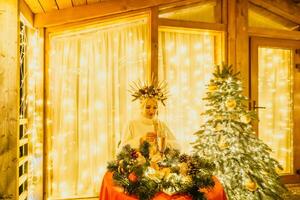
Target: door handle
x=257, y=107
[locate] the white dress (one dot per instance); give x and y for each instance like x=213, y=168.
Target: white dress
x=139, y=127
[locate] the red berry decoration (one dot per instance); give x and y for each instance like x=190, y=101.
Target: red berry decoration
x=133, y=177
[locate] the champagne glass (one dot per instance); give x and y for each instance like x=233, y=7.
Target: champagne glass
x=161, y=143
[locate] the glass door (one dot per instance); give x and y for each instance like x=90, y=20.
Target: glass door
x=275, y=95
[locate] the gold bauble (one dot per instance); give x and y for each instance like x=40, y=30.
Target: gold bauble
x=230, y=104
x=245, y=119
x=251, y=185
x=223, y=145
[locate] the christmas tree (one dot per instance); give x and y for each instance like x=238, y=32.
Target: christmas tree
x=243, y=162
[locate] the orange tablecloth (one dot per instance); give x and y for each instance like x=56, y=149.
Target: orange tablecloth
x=109, y=191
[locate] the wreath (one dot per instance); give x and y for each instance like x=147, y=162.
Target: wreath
x=142, y=174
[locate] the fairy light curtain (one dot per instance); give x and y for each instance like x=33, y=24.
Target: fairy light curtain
x=88, y=101
x=275, y=81
x=35, y=103
x=186, y=61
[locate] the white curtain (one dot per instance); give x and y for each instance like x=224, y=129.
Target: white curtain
x=275, y=93
x=186, y=61
x=88, y=101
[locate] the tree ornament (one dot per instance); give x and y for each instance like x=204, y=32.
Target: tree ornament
x=250, y=185
x=223, y=145
x=245, y=119
x=230, y=104
x=132, y=177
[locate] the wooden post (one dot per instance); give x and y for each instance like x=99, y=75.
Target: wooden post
x=154, y=43
x=9, y=101
x=231, y=32
x=242, y=43
x=237, y=40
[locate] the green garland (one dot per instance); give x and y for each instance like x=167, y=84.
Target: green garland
x=174, y=173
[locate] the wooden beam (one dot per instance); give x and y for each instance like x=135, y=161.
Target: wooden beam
x=183, y=5
x=231, y=32
x=237, y=39
x=101, y=9
x=224, y=11
x=218, y=11
x=273, y=33
x=26, y=12
x=242, y=43
x=154, y=42
x=190, y=24
x=286, y=9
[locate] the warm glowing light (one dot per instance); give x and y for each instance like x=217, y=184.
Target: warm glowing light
x=274, y=93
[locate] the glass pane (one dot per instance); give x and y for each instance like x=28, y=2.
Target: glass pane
x=186, y=61
x=204, y=12
x=275, y=93
x=260, y=17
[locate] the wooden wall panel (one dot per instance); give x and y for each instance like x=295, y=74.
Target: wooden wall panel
x=9, y=91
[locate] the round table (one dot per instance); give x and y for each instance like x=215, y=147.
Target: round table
x=109, y=191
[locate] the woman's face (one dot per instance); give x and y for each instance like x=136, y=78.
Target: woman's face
x=150, y=108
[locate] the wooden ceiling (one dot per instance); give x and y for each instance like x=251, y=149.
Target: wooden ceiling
x=44, y=6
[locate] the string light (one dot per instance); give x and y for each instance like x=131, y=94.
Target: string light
x=275, y=120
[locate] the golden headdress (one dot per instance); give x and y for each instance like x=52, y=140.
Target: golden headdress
x=142, y=91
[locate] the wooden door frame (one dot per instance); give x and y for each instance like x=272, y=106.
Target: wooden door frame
x=255, y=42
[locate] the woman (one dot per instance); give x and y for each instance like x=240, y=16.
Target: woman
x=147, y=127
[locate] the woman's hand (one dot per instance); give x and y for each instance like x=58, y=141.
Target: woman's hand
x=149, y=137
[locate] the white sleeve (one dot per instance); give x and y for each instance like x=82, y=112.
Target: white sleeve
x=171, y=140
x=128, y=137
